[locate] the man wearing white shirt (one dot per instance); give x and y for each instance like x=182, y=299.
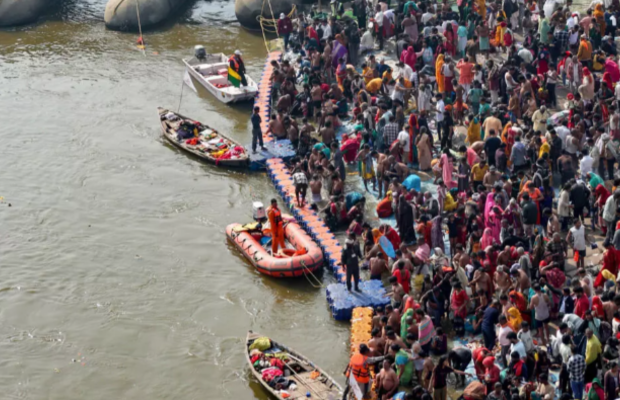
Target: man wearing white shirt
x=526, y=55
x=585, y=165
x=427, y=16
x=440, y=107
x=609, y=214
x=405, y=142
x=618, y=91
x=404, y=70
x=562, y=133
x=516, y=345
x=327, y=31
x=368, y=42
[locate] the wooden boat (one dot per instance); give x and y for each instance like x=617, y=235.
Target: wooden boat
x=205, y=148
x=211, y=71
x=308, y=377
x=301, y=256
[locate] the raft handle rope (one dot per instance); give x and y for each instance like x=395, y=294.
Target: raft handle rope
x=317, y=284
x=141, y=39
x=270, y=25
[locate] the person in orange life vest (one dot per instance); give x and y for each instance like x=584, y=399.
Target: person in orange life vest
x=277, y=227
x=358, y=366
x=237, y=64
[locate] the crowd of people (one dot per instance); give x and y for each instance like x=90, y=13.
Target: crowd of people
x=512, y=108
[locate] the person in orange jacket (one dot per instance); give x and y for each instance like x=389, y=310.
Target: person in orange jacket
x=277, y=227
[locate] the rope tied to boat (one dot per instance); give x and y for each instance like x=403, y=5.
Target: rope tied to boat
x=270, y=25
x=318, y=284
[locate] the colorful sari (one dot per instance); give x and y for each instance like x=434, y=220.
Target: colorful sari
x=446, y=171
x=487, y=238
x=438, y=74
x=514, y=318
x=610, y=263
x=426, y=330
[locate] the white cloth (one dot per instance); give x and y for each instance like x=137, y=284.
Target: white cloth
x=367, y=42
x=503, y=333
x=426, y=17
x=403, y=138
x=562, y=133
x=609, y=212
x=526, y=339
x=579, y=238
x=379, y=19
x=519, y=348
x=585, y=165
x=526, y=55
x=441, y=107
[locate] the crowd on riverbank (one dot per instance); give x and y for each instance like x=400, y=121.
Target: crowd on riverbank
x=467, y=103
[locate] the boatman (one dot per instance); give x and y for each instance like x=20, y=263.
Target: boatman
x=358, y=375
x=277, y=227
x=236, y=70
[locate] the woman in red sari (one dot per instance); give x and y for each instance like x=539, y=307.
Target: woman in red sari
x=611, y=259
x=520, y=302
x=459, y=300
x=450, y=44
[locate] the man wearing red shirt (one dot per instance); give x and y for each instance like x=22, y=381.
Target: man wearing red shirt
x=285, y=27
x=403, y=276
x=582, y=303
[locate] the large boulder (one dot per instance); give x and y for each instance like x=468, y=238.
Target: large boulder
x=121, y=15
x=19, y=12
x=247, y=11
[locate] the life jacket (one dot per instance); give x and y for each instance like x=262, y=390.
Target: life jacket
x=358, y=367
x=235, y=63
x=277, y=217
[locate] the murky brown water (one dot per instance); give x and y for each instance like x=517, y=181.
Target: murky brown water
x=118, y=282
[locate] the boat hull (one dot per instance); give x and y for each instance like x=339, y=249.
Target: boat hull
x=237, y=163
x=266, y=264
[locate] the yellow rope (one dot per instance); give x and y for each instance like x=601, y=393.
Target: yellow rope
x=271, y=24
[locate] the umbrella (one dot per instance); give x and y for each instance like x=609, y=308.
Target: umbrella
x=387, y=247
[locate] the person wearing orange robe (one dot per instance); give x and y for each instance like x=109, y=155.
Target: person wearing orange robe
x=277, y=227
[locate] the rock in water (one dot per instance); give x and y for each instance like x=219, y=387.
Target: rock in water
x=247, y=11
x=19, y=12
x=120, y=15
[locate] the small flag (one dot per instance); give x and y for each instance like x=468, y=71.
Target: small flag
x=233, y=77
x=188, y=81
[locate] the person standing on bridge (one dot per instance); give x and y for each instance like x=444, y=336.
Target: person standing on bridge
x=285, y=27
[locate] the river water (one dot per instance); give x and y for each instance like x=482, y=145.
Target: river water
x=118, y=282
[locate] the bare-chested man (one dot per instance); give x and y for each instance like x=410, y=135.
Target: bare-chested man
x=502, y=280
x=522, y=281
x=393, y=338
x=327, y=133
x=482, y=281
x=504, y=257
x=381, y=159
x=276, y=127
x=397, y=293
x=376, y=343
x=315, y=189
x=394, y=317
x=376, y=320
x=387, y=381
x=377, y=267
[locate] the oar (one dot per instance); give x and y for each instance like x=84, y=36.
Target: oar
x=302, y=380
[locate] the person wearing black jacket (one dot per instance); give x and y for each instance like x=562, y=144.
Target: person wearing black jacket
x=529, y=209
x=580, y=198
x=350, y=259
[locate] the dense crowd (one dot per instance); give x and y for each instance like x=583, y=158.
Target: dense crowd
x=521, y=139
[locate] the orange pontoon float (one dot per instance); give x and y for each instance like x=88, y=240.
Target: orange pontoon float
x=301, y=256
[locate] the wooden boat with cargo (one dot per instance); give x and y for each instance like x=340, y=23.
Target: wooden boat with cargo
x=202, y=141
x=301, y=255
x=290, y=374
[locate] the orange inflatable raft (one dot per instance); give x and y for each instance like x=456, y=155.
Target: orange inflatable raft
x=301, y=255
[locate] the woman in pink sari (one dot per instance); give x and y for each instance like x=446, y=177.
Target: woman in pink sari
x=488, y=206
x=487, y=239
x=447, y=168
x=349, y=148
x=409, y=57
x=495, y=222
